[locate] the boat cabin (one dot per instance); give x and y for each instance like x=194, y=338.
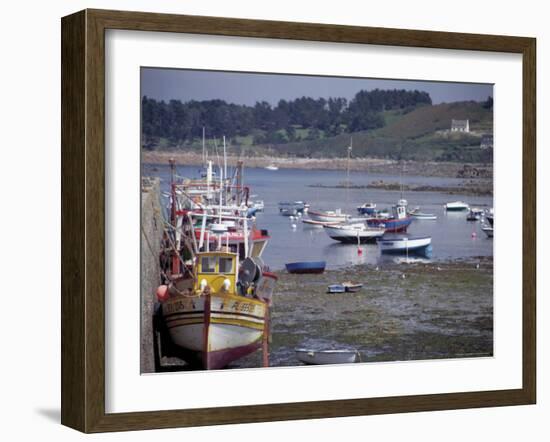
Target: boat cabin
x=217, y=271
x=399, y=211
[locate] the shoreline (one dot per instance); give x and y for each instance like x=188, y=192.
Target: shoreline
x=370, y=165
x=470, y=187
x=438, y=310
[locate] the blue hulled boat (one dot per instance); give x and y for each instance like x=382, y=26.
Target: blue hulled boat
x=398, y=222
x=306, y=267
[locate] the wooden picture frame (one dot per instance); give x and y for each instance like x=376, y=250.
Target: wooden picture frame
x=83, y=220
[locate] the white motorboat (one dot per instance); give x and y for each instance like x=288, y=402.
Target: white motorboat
x=353, y=233
x=272, y=167
x=323, y=357
x=456, y=206
x=421, y=245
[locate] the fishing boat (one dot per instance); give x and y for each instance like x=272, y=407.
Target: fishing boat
x=247, y=242
x=216, y=291
x=328, y=215
x=323, y=357
x=306, y=267
x=405, y=244
x=399, y=221
x=456, y=206
x=474, y=214
x=367, y=209
x=488, y=230
x=209, y=316
x=358, y=233
x=271, y=167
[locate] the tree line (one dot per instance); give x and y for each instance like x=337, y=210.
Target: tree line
x=183, y=122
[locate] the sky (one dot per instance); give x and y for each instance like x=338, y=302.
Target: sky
x=249, y=88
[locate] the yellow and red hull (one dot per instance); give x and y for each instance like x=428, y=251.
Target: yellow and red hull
x=215, y=329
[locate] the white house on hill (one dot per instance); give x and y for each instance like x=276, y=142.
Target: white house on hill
x=460, y=125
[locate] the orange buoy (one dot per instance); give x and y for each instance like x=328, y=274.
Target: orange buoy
x=162, y=293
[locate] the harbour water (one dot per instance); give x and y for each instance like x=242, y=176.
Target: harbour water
x=291, y=240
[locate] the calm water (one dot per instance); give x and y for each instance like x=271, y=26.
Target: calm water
x=451, y=233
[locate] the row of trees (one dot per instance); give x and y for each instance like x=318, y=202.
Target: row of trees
x=183, y=122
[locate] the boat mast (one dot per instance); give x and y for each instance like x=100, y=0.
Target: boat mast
x=350, y=148
x=224, y=160
x=401, y=180
x=173, y=221
x=203, y=147
x=220, y=236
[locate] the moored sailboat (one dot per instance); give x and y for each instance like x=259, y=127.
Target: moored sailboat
x=333, y=216
x=420, y=245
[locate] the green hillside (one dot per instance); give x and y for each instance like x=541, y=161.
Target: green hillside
x=419, y=134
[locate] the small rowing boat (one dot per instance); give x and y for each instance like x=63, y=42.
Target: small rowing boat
x=347, y=286
x=324, y=357
x=352, y=287
x=306, y=267
x=336, y=288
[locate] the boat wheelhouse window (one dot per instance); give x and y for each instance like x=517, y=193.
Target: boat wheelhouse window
x=226, y=265
x=208, y=264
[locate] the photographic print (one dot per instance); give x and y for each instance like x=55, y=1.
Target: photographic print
x=292, y=220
